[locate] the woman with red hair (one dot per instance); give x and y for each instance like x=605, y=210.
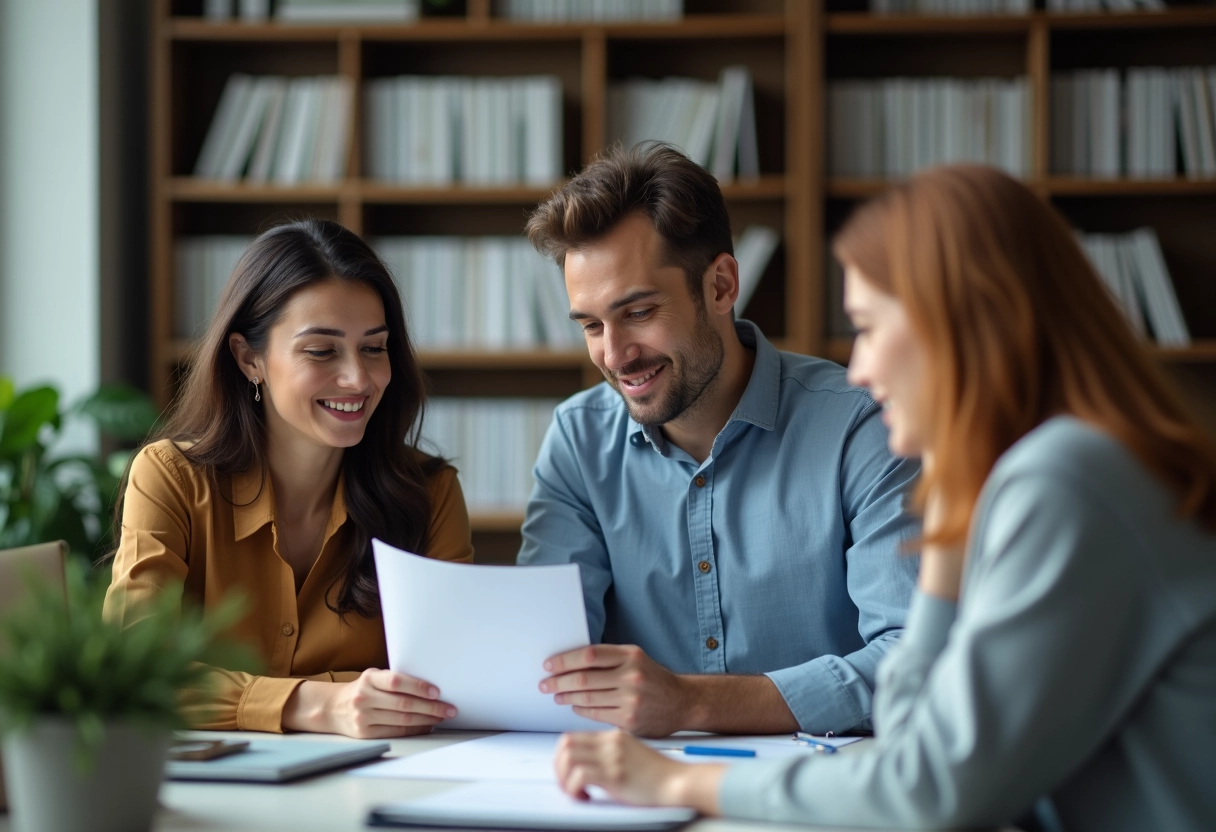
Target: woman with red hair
x=1059, y=661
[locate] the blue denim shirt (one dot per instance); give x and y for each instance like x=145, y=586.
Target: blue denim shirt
x=782, y=553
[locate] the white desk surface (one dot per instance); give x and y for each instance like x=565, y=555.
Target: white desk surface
x=330, y=802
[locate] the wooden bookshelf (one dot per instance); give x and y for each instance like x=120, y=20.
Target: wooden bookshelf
x=1038, y=45
x=192, y=57
x=793, y=48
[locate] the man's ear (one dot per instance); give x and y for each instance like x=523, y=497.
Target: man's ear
x=248, y=360
x=722, y=283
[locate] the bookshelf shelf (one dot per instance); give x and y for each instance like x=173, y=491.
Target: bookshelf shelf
x=864, y=23
x=179, y=350
x=1176, y=18
x=1069, y=186
x=1200, y=351
x=841, y=188
x=373, y=192
x=504, y=359
x=496, y=522
x=691, y=27
x=766, y=187
x=189, y=189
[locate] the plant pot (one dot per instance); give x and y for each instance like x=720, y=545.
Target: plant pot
x=47, y=791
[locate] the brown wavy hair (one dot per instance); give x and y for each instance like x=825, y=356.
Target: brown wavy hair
x=220, y=429
x=681, y=199
x=1017, y=327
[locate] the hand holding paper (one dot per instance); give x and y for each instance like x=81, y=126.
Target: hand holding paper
x=481, y=634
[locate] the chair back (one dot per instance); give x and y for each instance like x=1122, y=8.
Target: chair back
x=45, y=560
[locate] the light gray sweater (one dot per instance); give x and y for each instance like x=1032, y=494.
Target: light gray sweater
x=1076, y=678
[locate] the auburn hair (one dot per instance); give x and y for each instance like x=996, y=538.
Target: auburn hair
x=1017, y=327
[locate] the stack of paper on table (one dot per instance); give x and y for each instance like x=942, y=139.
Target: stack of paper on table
x=523, y=806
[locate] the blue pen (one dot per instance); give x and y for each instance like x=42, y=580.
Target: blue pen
x=711, y=751
x=817, y=744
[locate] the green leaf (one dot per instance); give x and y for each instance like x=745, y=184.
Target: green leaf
x=121, y=411
x=25, y=418
x=7, y=393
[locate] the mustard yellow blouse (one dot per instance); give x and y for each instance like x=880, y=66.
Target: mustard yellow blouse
x=175, y=529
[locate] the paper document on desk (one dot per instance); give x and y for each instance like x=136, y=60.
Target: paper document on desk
x=481, y=635
x=524, y=757
x=524, y=806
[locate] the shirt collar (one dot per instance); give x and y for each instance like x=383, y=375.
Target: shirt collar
x=253, y=504
x=758, y=405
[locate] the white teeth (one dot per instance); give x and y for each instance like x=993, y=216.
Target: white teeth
x=640, y=381
x=346, y=407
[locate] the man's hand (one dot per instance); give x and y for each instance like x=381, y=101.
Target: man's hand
x=633, y=773
x=621, y=685
x=380, y=703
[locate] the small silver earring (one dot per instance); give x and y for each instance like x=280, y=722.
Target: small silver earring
x=257, y=391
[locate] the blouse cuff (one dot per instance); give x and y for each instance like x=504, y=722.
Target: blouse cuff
x=746, y=789
x=262, y=703
x=928, y=624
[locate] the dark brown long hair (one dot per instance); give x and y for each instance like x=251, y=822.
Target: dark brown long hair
x=1018, y=327
x=220, y=429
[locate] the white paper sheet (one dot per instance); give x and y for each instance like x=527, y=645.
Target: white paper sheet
x=526, y=806
x=481, y=635
x=525, y=757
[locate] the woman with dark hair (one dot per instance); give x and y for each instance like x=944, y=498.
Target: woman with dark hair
x=292, y=445
x=1059, y=662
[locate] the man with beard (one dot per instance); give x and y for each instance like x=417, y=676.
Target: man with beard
x=734, y=511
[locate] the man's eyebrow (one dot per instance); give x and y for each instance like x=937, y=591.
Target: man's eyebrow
x=337, y=333
x=632, y=297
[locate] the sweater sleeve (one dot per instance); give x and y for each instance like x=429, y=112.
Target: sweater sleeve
x=984, y=717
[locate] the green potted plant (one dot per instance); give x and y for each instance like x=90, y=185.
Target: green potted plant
x=87, y=707
x=44, y=496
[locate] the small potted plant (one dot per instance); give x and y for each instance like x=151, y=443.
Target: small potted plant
x=87, y=707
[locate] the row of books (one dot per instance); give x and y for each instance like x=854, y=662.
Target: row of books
x=1075, y=6
x=1131, y=265
x=442, y=130
x=714, y=123
x=201, y=269
x=314, y=11
x=269, y=128
x=895, y=126
x=1106, y=125
x=492, y=442
x=459, y=292
x=951, y=6
x=480, y=293
x=581, y=11
x=1135, y=272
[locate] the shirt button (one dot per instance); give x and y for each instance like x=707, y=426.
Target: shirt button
x=288, y=629
x=704, y=566
x=700, y=481
x=711, y=643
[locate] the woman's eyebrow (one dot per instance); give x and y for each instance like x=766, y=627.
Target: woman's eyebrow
x=337, y=333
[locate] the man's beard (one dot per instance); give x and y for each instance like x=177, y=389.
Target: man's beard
x=699, y=366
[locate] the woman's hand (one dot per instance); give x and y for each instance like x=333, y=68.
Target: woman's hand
x=634, y=773
x=379, y=704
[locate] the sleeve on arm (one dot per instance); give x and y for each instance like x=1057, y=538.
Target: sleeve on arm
x=1036, y=672
x=561, y=526
x=152, y=555
x=450, y=536
x=835, y=693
